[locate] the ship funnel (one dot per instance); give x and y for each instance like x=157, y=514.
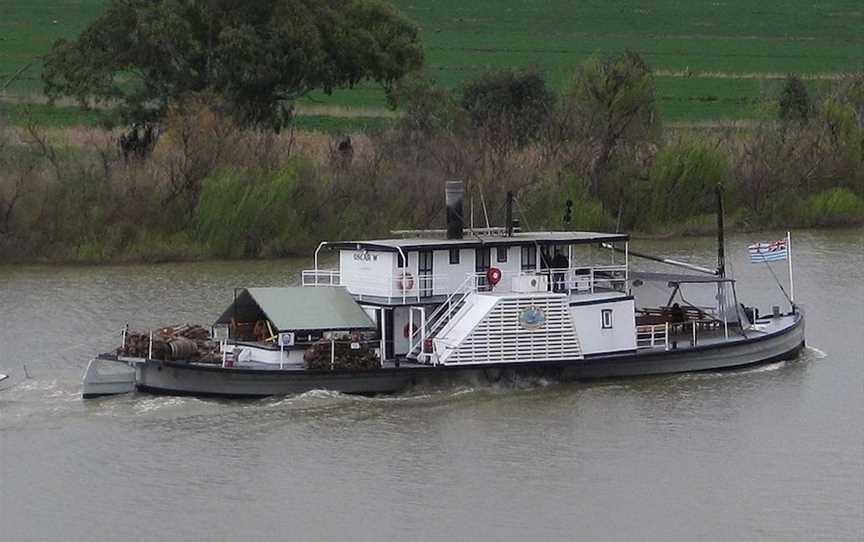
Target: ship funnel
x=454, y=196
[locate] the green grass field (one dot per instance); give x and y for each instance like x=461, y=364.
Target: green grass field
x=714, y=59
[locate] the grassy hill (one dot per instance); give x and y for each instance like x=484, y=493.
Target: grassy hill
x=713, y=59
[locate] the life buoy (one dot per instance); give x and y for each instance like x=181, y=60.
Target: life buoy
x=408, y=330
x=405, y=281
x=493, y=275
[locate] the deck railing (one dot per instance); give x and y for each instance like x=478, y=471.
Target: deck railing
x=585, y=279
x=407, y=286
x=653, y=336
x=403, y=285
x=321, y=277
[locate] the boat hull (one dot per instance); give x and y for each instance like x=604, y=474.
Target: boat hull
x=178, y=378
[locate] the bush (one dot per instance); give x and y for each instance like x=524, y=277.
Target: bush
x=683, y=180
x=238, y=214
x=836, y=206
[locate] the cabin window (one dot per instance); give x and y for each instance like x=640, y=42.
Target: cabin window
x=502, y=255
x=529, y=258
x=400, y=261
x=606, y=318
x=454, y=256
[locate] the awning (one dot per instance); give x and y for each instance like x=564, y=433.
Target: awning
x=676, y=278
x=299, y=309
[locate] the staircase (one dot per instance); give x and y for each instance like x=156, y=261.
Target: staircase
x=443, y=315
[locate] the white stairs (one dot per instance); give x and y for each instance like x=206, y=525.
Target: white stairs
x=440, y=318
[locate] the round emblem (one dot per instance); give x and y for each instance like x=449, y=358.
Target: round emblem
x=532, y=318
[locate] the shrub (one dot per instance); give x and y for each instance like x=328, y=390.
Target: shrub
x=683, y=180
x=836, y=206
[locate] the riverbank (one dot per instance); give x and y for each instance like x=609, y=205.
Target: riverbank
x=200, y=187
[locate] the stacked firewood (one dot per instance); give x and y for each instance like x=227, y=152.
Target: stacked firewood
x=344, y=354
x=181, y=342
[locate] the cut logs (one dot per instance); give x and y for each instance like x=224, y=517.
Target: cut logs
x=177, y=343
x=341, y=354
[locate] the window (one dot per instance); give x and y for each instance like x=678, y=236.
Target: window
x=400, y=261
x=606, y=318
x=502, y=255
x=454, y=256
x=529, y=258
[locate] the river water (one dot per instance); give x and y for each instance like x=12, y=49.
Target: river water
x=772, y=453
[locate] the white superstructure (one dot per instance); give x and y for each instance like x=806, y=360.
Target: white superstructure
x=491, y=298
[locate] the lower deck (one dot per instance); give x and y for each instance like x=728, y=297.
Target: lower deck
x=682, y=338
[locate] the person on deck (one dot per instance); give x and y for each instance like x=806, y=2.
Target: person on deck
x=560, y=265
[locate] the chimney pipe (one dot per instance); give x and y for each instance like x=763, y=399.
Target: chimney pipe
x=454, y=195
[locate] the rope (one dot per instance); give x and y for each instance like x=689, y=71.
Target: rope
x=778, y=282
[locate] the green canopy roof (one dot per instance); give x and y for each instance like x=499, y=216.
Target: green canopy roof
x=299, y=309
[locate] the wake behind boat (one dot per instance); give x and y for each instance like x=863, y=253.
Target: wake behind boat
x=433, y=306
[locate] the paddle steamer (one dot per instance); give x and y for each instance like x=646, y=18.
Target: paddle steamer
x=434, y=306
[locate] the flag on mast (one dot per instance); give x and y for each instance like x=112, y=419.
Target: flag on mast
x=776, y=251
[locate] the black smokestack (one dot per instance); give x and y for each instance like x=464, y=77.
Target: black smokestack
x=454, y=195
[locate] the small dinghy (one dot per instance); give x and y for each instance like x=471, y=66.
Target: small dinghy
x=107, y=377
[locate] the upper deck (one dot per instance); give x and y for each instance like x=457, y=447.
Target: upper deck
x=424, y=270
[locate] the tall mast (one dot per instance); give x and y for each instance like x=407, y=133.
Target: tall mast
x=721, y=252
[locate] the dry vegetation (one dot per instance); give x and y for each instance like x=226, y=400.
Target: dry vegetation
x=212, y=189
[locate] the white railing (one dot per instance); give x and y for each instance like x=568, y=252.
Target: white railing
x=407, y=286
x=443, y=314
x=653, y=336
x=321, y=277
x=403, y=285
x=585, y=279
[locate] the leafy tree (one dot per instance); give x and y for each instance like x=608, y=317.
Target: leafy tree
x=515, y=103
x=794, y=100
x=616, y=97
x=256, y=56
x=428, y=107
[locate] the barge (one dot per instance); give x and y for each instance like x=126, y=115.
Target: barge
x=431, y=307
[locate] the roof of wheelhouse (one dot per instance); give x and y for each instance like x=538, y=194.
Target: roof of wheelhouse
x=543, y=238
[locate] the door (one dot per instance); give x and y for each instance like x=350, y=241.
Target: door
x=482, y=258
x=424, y=272
x=385, y=325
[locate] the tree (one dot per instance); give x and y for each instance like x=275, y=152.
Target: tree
x=794, y=100
x=257, y=56
x=513, y=103
x=617, y=98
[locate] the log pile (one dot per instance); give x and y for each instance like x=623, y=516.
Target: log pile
x=318, y=356
x=182, y=342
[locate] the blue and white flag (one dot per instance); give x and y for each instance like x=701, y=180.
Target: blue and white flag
x=768, y=252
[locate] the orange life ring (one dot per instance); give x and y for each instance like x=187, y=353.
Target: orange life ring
x=493, y=275
x=408, y=330
x=405, y=281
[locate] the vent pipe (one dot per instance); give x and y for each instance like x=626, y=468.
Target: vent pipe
x=508, y=217
x=454, y=195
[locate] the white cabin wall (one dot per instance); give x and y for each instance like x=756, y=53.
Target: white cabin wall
x=509, y=269
x=587, y=319
x=449, y=277
x=367, y=272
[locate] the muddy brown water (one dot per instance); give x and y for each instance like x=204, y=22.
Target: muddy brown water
x=771, y=453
